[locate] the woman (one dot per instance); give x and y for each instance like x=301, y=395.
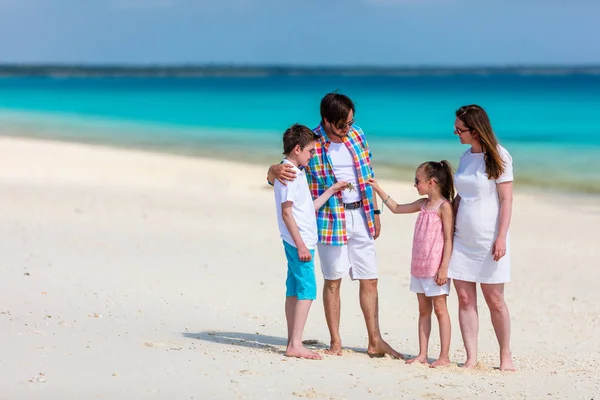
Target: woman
x=481, y=249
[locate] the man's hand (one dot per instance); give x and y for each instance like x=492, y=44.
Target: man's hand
x=377, y=226
x=304, y=254
x=282, y=172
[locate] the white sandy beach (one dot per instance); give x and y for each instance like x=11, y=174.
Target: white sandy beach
x=129, y=275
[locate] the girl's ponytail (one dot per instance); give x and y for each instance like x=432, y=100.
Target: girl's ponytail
x=447, y=184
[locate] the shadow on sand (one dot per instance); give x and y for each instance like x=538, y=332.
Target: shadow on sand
x=257, y=341
x=252, y=341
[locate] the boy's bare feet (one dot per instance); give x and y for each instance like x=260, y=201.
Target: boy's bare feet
x=302, y=352
x=381, y=348
x=440, y=362
x=335, y=349
x=420, y=358
x=506, y=363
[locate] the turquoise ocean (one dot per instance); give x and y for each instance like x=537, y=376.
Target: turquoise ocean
x=549, y=123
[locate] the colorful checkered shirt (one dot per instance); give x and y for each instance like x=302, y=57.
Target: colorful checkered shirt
x=331, y=218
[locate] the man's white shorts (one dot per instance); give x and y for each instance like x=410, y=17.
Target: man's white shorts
x=428, y=286
x=357, y=257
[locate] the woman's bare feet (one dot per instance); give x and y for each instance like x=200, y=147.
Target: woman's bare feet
x=381, y=348
x=470, y=364
x=335, y=349
x=506, y=363
x=421, y=358
x=302, y=352
x=440, y=362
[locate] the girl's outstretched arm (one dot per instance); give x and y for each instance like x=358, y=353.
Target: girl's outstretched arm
x=394, y=207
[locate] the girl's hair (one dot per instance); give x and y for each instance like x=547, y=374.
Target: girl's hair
x=477, y=120
x=443, y=175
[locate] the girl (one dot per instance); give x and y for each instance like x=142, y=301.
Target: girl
x=432, y=247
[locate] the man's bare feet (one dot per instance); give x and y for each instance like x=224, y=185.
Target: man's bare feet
x=470, y=364
x=506, y=363
x=302, y=352
x=335, y=349
x=420, y=359
x=381, y=348
x=440, y=362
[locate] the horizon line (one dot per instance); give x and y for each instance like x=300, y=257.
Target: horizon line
x=262, y=70
x=290, y=65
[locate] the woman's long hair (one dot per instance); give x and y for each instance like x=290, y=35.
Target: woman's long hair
x=477, y=120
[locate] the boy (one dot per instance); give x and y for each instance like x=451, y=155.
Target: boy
x=298, y=227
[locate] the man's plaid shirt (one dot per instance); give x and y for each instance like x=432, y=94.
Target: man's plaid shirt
x=331, y=218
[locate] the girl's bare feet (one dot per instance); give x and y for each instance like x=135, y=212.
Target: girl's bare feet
x=420, y=358
x=335, y=349
x=302, y=352
x=506, y=363
x=440, y=362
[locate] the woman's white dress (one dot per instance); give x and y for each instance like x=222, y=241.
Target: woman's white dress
x=476, y=225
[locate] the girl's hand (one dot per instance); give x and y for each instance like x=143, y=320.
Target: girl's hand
x=339, y=185
x=304, y=254
x=499, y=248
x=373, y=182
x=442, y=276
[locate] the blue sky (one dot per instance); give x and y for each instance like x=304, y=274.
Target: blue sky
x=307, y=32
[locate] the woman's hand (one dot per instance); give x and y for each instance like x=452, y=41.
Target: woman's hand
x=499, y=248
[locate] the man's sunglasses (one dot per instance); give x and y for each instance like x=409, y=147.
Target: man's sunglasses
x=342, y=126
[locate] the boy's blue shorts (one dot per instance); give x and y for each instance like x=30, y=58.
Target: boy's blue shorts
x=301, y=281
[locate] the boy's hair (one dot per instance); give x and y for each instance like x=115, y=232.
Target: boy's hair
x=297, y=135
x=443, y=174
x=336, y=107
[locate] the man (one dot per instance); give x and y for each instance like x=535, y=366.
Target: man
x=348, y=223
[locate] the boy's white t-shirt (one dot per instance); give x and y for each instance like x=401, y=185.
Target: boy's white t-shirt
x=303, y=208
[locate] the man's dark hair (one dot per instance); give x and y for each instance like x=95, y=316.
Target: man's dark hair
x=336, y=107
x=297, y=135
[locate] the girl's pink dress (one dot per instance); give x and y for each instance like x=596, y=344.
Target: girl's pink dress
x=428, y=243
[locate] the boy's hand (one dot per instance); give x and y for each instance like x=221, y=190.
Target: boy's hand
x=442, y=276
x=283, y=172
x=339, y=185
x=373, y=182
x=304, y=254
